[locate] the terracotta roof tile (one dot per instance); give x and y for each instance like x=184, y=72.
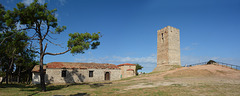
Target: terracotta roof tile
x=36, y=68
x=127, y=64
x=130, y=70
x=81, y=65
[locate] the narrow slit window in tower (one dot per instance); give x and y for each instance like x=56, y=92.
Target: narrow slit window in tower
x=162, y=37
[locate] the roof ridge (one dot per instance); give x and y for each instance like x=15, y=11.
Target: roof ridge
x=80, y=64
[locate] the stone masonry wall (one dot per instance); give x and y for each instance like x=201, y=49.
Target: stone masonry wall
x=168, y=48
x=126, y=73
x=80, y=75
x=174, y=46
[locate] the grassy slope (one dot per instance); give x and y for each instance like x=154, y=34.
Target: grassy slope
x=121, y=87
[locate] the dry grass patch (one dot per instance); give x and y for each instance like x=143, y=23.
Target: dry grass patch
x=209, y=80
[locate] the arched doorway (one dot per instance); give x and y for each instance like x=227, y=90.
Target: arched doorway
x=107, y=76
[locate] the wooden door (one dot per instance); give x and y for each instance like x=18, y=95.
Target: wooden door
x=107, y=76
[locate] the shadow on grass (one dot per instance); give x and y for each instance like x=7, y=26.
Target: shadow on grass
x=16, y=86
x=48, y=87
x=80, y=94
x=92, y=85
x=37, y=88
x=96, y=85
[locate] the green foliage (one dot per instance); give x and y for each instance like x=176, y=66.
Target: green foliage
x=41, y=21
x=79, y=42
x=59, y=29
x=138, y=67
x=2, y=20
x=36, y=14
x=15, y=50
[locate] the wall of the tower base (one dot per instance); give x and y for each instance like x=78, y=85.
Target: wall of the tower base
x=162, y=68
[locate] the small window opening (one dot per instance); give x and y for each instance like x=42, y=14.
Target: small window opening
x=90, y=73
x=162, y=37
x=64, y=73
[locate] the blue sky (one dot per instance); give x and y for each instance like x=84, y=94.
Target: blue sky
x=209, y=29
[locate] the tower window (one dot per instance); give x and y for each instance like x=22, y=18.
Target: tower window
x=162, y=37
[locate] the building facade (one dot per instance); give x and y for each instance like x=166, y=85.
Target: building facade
x=127, y=70
x=69, y=72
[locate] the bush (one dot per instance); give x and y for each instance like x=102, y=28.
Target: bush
x=211, y=62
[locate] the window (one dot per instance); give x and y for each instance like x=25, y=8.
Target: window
x=162, y=37
x=64, y=73
x=90, y=73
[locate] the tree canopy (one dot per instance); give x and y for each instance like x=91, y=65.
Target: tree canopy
x=38, y=20
x=138, y=67
x=211, y=62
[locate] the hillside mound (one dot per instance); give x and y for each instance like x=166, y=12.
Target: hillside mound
x=204, y=71
x=187, y=76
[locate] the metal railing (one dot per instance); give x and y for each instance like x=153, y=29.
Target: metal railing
x=190, y=65
x=217, y=63
x=228, y=65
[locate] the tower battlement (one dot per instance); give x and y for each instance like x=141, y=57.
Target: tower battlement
x=168, y=48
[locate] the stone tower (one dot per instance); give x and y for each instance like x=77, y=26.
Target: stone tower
x=168, y=48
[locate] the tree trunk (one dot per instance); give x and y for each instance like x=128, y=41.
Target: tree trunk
x=6, y=78
x=19, y=71
x=42, y=75
x=10, y=67
x=29, y=77
x=11, y=78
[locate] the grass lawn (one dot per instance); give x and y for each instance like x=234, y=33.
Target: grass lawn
x=103, y=89
x=176, y=83
x=116, y=89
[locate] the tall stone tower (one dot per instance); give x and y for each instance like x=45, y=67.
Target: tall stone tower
x=168, y=48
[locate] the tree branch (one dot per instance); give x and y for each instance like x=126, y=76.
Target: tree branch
x=46, y=32
x=15, y=33
x=45, y=48
x=34, y=51
x=58, y=53
x=6, y=38
x=52, y=37
x=54, y=43
x=34, y=35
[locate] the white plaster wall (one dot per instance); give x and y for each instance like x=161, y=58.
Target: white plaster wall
x=35, y=78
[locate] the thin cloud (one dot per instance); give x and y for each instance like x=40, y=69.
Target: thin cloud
x=28, y=2
x=190, y=47
x=148, y=63
x=9, y=1
x=56, y=15
x=186, y=48
x=199, y=59
x=62, y=2
x=119, y=59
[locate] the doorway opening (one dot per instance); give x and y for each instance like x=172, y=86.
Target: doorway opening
x=107, y=76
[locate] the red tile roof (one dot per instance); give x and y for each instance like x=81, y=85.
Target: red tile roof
x=81, y=65
x=127, y=64
x=130, y=70
x=36, y=68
